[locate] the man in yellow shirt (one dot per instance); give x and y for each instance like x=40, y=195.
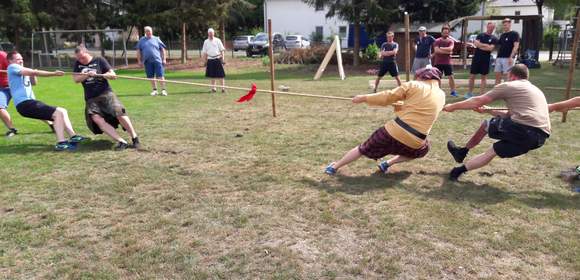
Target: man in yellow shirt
x=405, y=137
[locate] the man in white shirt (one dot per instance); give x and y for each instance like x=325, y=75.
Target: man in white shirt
x=214, y=56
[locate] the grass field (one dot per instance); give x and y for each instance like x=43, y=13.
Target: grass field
x=224, y=191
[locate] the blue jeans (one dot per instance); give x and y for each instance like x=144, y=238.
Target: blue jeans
x=4, y=97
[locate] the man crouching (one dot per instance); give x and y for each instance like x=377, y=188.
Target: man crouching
x=103, y=112
x=405, y=137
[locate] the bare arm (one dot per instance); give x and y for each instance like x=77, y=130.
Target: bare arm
x=33, y=73
x=470, y=104
x=515, y=49
x=164, y=55
x=139, y=56
x=563, y=106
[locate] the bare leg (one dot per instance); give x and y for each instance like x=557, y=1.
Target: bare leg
x=107, y=128
x=478, y=135
x=58, y=122
x=67, y=124
x=471, y=83
x=398, y=80
x=349, y=157
x=480, y=160
x=452, y=83
x=5, y=116
x=223, y=84
x=153, y=85
x=162, y=82
x=213, y=85
x=483, y=84
x=397, y=160
x=497, y=78
x=126, y=123
x=377, y=81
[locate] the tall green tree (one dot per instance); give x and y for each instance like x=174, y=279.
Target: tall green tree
x=16, y=19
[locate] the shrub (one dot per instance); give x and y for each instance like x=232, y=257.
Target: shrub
x=371, y=53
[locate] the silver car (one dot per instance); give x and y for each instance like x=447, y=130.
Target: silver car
x=297, y=42
x=242, y=42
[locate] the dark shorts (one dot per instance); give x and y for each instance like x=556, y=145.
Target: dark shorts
x=107, y=106
x=35, y=109
x=215, y=69
x=390, y=67
x=480, y=65
x=446, y=69
x=515, y=139
x=381, y=144
x=154, y=69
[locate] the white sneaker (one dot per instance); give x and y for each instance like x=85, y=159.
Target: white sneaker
x=153, y=93
x=164, y=92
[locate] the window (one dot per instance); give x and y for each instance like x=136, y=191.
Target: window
x=517, y=14
x=342, y=31
x=319, y=31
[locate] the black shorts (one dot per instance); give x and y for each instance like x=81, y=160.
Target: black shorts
x=35, y=109
x=446, y=69
x=480, y=65
x=215, y=69
x=515, y=139
x=390, y=67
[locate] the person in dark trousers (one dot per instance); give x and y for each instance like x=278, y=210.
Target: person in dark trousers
x=480, y=64
x=389, y=50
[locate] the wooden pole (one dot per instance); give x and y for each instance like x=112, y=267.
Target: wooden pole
x=407, y=47
x=572, y=62
x=271, y=54
x=325, y=61
x=464, y=39
x=339, y=58
x=183, y=44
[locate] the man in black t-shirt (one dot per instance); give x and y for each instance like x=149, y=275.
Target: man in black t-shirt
x=388, y=53
x=103, y=112
x=485, y=43
x=509, y=42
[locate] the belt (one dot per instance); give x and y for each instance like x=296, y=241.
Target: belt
x=409, y=129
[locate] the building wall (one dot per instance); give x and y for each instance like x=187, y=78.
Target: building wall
x=296, y=17
x=510, y=10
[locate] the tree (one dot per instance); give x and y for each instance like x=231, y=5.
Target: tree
x=16, y=18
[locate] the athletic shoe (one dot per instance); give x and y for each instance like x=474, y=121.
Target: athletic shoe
x=468, y=95
x=455, y=173
x=330, y=170
x=77, y=139
x=164, y=92
x=383, y=166
x=458, y=153
x=11, y=132
x=154, y=92
x=136, y=143
x=213, y=90
x=121, y=146
x=454, y=93
x=64, y=146
x=223, y=90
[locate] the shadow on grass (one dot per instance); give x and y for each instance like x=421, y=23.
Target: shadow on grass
x=487, y=194
x=358, y=184
x=85, y=147
x=94, y=146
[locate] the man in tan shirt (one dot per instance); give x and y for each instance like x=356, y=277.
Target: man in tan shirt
x=524, y=127
x=406, y=136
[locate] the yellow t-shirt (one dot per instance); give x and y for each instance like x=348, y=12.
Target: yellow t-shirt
x=422, y=103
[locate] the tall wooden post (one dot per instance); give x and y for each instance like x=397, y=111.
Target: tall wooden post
x=183, y=44
x=572, y=62
x=464, y=35
x=271, y=55
x=407, y=47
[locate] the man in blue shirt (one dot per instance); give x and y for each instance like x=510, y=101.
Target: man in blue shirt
x=21, y=80
x=388, y=53
x=152, y=53
x=423, y=45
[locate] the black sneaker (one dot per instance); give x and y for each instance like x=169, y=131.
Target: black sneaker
x=11, y=132
x=136, y=143
x=458, y=153
x=121, y=146
x=455, y=173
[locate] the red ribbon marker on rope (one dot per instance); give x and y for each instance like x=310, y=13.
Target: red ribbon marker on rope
x=249, y=95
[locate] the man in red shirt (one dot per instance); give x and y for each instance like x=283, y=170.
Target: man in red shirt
x=443, y=47
x=5, y=96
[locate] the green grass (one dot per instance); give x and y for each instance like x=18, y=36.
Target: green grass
x=201, y=203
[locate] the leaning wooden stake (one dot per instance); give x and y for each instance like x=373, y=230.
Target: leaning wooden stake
x=573, y=62
x=271, y=54
x=407, y=47
x=339, y=58
x=325, y=61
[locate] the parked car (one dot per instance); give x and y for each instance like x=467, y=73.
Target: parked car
x=297, y=42
x=6, y=46
x=242, y=42
x=260, y=44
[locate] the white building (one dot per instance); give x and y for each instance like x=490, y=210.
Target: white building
x=510, y=8
x=296, y=17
